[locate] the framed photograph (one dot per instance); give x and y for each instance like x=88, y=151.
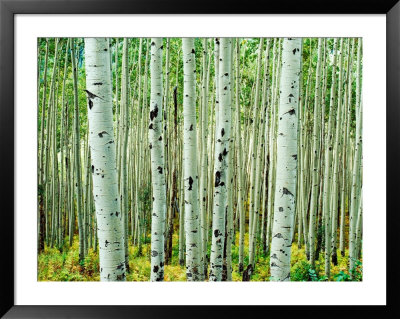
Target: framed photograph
x=168, y=159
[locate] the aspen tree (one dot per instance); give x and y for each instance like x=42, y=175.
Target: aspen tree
x=346, y=156
x=253, y=154
x=77, y=159
x=336, y=150
x=110, y=224
x=42, y=131
x=192, y=221
x=355, y=186
x=124, y=128
x=272, y=141
x=285, y=193
x=315, y=155
x=203, y=174
x=238, y=142
x=220, y=161
x=157, y=162
x=327, y=182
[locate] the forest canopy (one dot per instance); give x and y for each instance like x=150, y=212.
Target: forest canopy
x=199, y=159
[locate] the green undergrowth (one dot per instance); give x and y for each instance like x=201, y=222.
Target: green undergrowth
x=54, y=265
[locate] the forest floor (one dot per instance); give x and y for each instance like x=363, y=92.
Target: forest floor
x=54, y=265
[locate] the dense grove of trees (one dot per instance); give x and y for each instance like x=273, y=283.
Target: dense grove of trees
x=221, y=158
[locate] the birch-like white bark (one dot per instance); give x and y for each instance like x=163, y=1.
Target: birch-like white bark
x=315, y=155
x=221, y=160
x=194, y=269
x=286, y=162
x=157, y=162
x=104, y=171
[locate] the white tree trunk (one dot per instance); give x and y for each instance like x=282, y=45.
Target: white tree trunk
x=157, y=162
x=222, y=133
x=315, y=155
x=194, y=269
x=105, y=181
x=286, y=169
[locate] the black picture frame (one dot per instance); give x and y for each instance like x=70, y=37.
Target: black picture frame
x=8, y=9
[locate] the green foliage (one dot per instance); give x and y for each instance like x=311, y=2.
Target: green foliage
x=354, y=275
x=54, y=265
x=300, y=272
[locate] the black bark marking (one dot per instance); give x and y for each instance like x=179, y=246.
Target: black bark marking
x=116, y=214
x=154, y=253
x=222, y=132
x=155, y=268
x=193, y=51
x=159, y=168
x=153, y=43
x=217, y=178
x=217, y=233
x=190, y=183
x=151, y=126
x=191, y=127
x=92, y=169
x=160, y=138
x=225, y=152
x=281, y=209
x=102, y=133
x=150, y=146
x=291, y=112
x=106, y=243
x=278, y=235
x=90, y=104
x=294, y=156
x=220, y=157
x=98, y=83
x=91, y=95
x=285, y=191
x=154, y=113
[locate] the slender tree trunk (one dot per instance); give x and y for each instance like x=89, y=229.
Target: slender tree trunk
x=77, y=159
x=327, y=169
x=223, y=126
x=157, y=162
x=194, y=268
x=285, y=193
x=110, y=224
